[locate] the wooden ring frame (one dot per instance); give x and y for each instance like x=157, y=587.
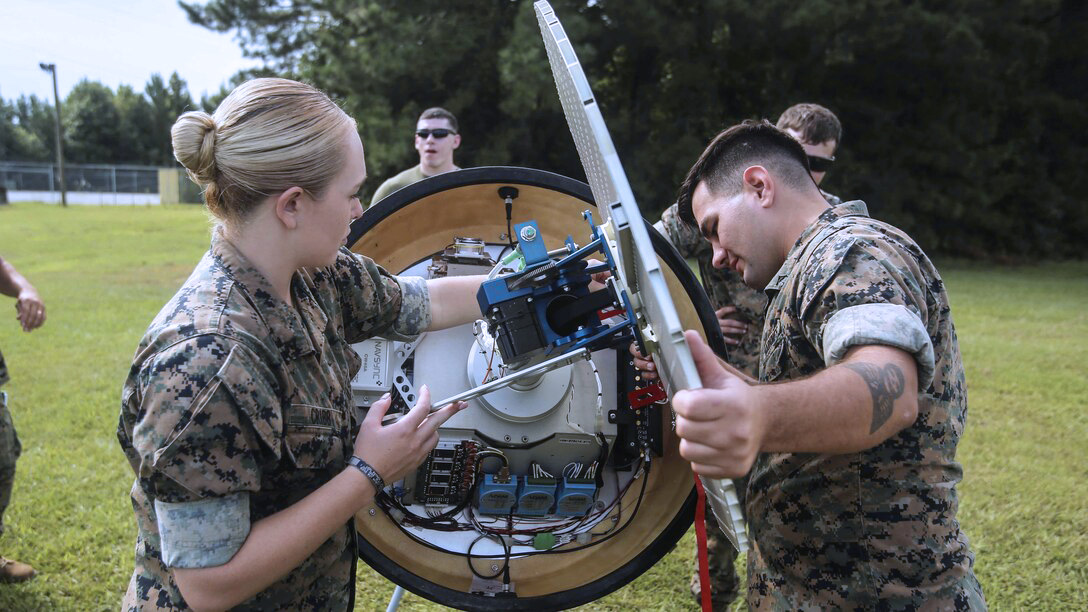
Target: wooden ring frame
x=421, y=220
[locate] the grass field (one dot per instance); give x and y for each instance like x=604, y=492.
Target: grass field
x=105, y=271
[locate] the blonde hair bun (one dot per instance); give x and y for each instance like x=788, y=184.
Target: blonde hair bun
x=267, y=136
x=193, y=137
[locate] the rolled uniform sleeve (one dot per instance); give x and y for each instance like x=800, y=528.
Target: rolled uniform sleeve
x=415, y=308
x=867, y=297
x=210, y=418
x=203, y=533
x=376, y=303
x=884, y=324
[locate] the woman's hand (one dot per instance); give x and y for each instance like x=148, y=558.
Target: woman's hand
x=397, y=449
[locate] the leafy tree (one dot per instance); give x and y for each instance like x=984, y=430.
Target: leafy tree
x=137, y=144
x=168, y=100
x=99, y=126
x=11, y=147
x=33, y=128
x=92, y=131
x=964, y=120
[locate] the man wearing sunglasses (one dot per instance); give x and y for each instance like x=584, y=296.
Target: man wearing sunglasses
x=740, y=308
x=435, y=140
x=819, y=132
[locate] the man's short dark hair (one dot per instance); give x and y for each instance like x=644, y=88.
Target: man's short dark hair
x=815, y=123
x=735, y=149
x=437, y=112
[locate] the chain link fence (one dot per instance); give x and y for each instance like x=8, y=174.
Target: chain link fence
x=86, y=183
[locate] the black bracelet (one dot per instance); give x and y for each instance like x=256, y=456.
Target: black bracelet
x=369, y=472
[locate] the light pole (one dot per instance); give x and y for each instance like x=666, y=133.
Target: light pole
x=52, y=69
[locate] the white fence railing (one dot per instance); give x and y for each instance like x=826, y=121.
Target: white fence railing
x=86, y=183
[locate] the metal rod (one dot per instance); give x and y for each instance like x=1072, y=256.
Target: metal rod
x=394, y=602
x=52, y=69
x=500, y=383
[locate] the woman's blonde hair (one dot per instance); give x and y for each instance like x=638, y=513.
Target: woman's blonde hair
x=268, y=135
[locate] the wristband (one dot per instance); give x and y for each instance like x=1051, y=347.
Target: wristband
x=369, y=472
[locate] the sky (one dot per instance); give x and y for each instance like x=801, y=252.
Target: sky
x=113, y=42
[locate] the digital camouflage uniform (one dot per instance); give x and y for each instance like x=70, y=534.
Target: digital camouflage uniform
x=876, y=529
x=10, y=449
x=238, y=405
x=724, y=287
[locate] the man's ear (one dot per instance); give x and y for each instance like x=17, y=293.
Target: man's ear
x=759, y=181
x=289, y=207
x=456, y=140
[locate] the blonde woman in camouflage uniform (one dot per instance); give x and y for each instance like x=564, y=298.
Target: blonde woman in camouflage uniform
x=740, y=309
x=237, y=415
x=852, y=492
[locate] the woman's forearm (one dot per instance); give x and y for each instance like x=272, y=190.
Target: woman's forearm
x=453, y=300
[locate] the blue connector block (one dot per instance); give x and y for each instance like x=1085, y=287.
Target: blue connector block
x=496, y=497
x=536, y=496
x=576, y=496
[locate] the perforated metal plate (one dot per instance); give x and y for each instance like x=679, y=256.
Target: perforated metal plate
x=639, y=271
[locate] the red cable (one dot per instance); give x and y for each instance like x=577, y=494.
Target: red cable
x=700, y=539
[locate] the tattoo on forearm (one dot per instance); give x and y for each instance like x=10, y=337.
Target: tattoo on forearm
x=885, y=384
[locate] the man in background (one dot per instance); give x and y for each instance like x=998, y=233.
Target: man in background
x=819, y=132
x=436, y=139
x=30, y=311
x=739, y=309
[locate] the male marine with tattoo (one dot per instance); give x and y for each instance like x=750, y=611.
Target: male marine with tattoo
x=740, y=309
x=852, y=493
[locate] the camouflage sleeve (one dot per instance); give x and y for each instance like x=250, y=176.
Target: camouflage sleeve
x=870, y=295
x=203, y=533
x=376, y=303
x=885, y=324
x=415, y=307
x=209, y=417
x=684, y=236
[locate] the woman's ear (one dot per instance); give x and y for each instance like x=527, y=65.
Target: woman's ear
x=289, y=206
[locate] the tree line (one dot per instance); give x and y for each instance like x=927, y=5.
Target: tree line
x=100, y=126
x=964, y=121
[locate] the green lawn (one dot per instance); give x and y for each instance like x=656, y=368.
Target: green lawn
x=105, y=271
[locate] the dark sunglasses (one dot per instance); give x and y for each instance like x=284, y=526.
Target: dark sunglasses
x=439, y=134
x=820, y=164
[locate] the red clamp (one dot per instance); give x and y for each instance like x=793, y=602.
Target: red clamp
x=609, y=313
x=644, y=396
